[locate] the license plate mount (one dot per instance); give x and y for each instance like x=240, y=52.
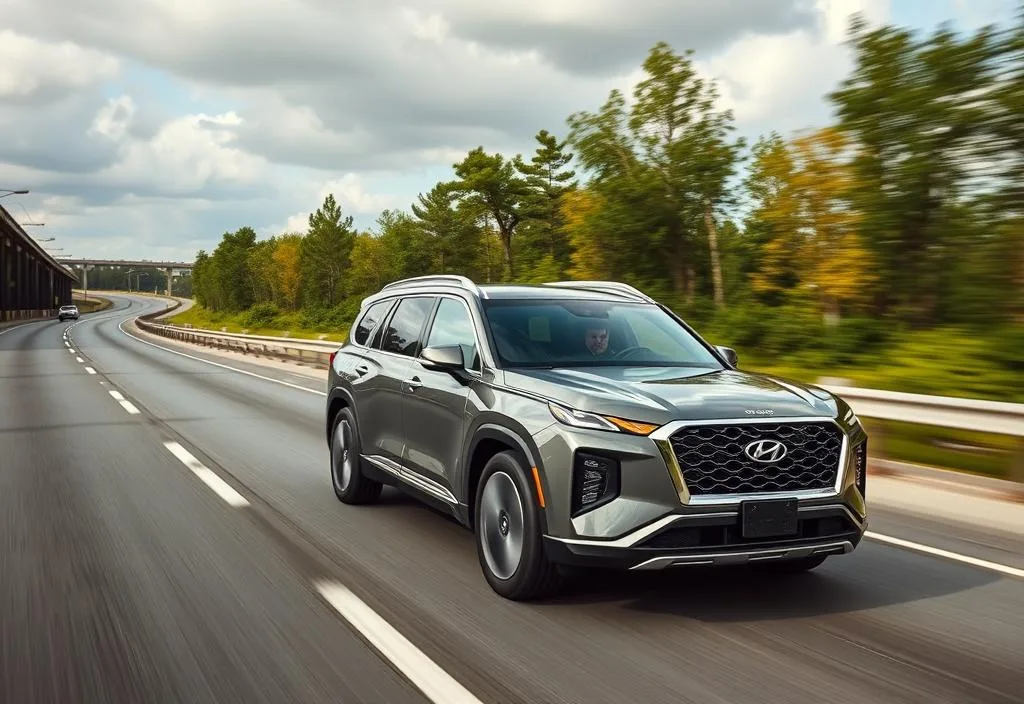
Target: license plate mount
x=770, y=518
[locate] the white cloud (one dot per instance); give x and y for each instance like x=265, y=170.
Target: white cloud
x=779, y=81
x=31, y=68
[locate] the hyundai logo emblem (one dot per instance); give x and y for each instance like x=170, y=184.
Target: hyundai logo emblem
x=765, y=450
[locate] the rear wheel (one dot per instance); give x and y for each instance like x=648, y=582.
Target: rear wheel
x=351, y=486
x=508, y=532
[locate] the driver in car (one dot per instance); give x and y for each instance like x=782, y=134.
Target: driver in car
x=597, y=341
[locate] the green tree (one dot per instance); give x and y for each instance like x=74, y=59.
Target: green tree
x=667, y=162
x=919, y=113
x=326, y=251
x=543, y=248
x=287, y=268
x=452, y=237
x=491, y=185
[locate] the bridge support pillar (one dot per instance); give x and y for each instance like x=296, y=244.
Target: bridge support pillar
x=5, y=279
x=170, y=280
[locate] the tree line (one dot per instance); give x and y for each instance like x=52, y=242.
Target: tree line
x=904, y=214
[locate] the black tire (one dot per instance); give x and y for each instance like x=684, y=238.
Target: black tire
x=509, y=495
x=359, y=488
x=800, y=564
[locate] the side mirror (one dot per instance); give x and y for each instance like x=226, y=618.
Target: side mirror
x=445, y=358
x=730, y=355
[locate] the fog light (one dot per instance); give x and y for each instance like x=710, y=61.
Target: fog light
x=595, y=481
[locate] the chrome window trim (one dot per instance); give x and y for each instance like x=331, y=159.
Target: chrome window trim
x=662, y=438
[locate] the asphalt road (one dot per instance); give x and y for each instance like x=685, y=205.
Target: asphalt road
x=128, y=574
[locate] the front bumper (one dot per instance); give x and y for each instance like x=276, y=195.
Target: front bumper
x=712, y=539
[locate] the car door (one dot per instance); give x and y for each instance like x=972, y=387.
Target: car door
x=434, y=408
x=389, y=360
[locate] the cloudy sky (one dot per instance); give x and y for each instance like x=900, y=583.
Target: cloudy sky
x=146, y=128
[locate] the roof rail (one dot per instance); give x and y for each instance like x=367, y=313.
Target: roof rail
x=604, y=287
x=452, y=279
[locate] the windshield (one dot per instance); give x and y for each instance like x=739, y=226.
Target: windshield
x=575, y=333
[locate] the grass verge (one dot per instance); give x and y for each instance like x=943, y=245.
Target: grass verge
x=289, y=325
x=92, y=304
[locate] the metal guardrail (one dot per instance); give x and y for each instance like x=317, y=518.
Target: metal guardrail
x=316, y=353
x=872, y=404
x=945, y=411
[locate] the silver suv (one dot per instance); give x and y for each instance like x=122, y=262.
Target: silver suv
x=585, y=424
x=66, y=312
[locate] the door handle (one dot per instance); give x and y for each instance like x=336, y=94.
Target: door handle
x=413, y=384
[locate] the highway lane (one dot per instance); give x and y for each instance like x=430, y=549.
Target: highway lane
x=882, y=625
x=125, y=579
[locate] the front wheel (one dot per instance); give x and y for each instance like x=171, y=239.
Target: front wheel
x=508, y=532
x=351, y=486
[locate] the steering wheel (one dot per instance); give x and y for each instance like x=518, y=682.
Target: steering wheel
x=628, y=351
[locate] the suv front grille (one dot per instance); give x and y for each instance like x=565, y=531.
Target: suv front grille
x=714, y=461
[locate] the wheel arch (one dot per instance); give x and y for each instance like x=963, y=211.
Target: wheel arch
x=489, y=440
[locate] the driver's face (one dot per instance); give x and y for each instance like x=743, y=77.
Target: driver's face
x=597, y=340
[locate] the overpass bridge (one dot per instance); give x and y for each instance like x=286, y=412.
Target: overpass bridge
x=32, y=283
x=169, y=267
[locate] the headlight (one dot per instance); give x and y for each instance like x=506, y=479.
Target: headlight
x=593, y=421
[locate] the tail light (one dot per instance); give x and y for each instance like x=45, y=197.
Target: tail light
x=333, y=355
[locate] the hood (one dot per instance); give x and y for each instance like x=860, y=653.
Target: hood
x=662, y=394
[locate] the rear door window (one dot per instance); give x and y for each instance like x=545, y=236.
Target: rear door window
x=402, y=335
x=374, y=314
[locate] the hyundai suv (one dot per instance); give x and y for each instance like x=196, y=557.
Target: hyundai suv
x=576, y=424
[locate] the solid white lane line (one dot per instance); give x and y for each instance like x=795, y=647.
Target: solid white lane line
x=79, y=360
x=90, y=370
x=222, y=366
x=928, y=550
x=117, y=395
x=12, y=329
x=218, y=485
x=130, y=407
x=438, y=686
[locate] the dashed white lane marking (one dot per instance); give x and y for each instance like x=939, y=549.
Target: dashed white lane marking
x=66, y=343
x=928, y=550
x=218, y=485
x=90, y=370
x=222, y=366
x=424, y=673
x=130, y=407
x=116, y=394
x=71, y=350
x=79, y=360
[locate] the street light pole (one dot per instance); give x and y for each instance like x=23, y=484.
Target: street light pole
x=4, y=192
